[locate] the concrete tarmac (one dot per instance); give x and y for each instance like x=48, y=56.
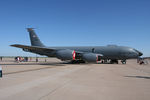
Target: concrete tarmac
x=53, y=80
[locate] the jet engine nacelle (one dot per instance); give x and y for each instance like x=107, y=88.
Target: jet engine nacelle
x=66, y=54
x=91, y=57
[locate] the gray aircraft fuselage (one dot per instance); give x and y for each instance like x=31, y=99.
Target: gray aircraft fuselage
x=109, y=52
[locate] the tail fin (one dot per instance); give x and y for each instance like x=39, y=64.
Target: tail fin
x=35, y=41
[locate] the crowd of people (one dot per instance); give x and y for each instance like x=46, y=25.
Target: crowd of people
x=21, y=59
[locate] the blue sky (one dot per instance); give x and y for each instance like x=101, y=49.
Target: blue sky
x=75, y=23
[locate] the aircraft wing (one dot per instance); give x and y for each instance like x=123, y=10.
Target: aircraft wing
x=63, y=54
x=35, y=49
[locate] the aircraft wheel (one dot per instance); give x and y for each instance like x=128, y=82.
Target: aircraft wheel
x=123, y=61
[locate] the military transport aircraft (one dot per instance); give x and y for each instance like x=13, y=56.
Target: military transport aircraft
x=78, y=54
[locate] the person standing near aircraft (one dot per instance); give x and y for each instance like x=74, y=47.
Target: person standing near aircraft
x=1, y=74
x=1, y=58
x=36, y=59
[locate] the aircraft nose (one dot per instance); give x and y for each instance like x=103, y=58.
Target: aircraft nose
x=140, y=53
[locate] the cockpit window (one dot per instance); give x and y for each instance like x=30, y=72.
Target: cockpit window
x=136, y=50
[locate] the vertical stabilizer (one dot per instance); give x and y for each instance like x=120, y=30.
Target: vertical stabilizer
x=35, y=41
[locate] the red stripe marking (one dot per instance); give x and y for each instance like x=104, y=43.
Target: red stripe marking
x=74, y=55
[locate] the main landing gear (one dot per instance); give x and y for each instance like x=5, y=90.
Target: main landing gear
x=114, y=61
x=77, y=61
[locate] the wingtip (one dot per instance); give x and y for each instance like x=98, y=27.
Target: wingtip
x=14, y=45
